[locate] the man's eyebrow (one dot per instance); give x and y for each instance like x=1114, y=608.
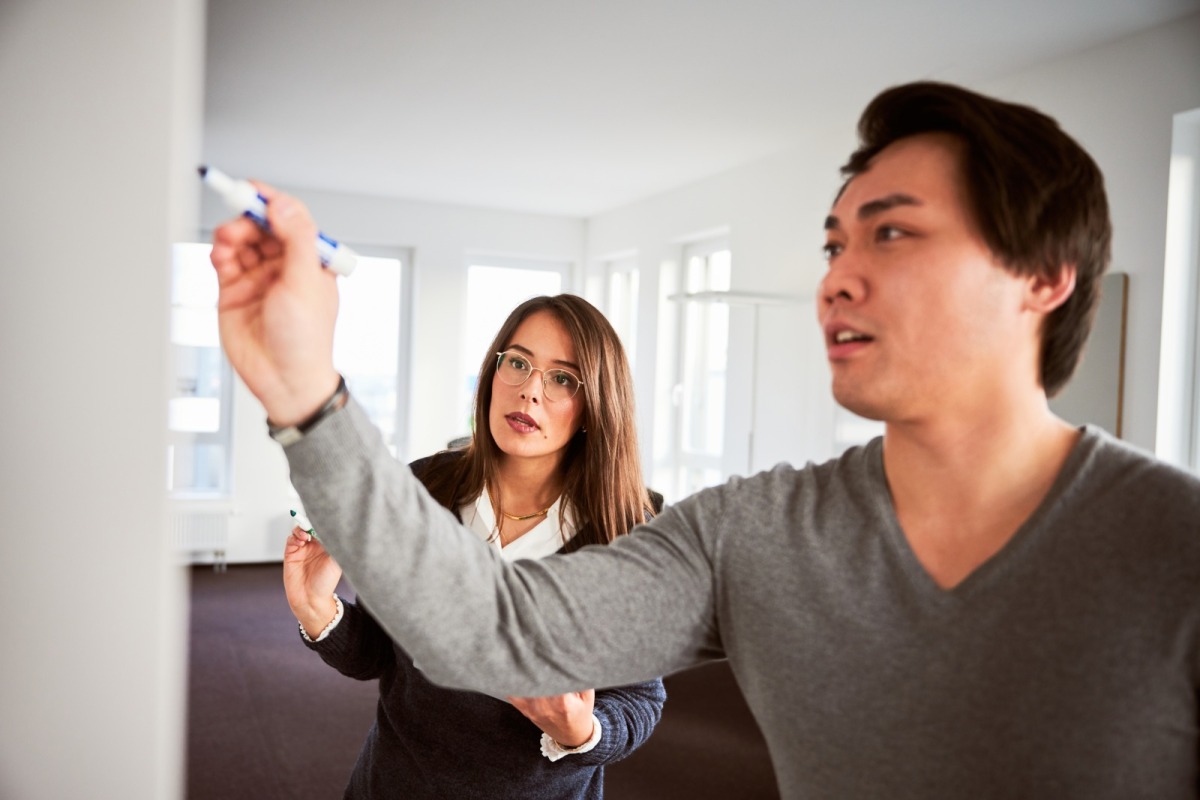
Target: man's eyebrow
x=873, y=207
x=529, y=353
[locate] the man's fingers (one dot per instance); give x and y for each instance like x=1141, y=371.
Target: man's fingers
x=271, y=247
x=268, y=192
x=239, y=288
x=291, y=222
x=248, y=256
x=234, y=232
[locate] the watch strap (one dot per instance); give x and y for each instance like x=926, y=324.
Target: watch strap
x=291, y=434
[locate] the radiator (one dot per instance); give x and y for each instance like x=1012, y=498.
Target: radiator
x=195, y=530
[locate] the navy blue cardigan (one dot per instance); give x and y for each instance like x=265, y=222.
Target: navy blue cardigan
x=431, y=742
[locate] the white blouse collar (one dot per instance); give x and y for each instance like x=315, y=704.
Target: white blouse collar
x=539, y=541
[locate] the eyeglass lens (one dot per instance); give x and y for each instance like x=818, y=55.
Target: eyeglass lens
x=558, y=384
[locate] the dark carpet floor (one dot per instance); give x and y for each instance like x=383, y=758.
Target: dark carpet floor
x=268, y=720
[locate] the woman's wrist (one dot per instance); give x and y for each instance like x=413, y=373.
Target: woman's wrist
x=576, y=735
x=318, y=615
x=553, y=749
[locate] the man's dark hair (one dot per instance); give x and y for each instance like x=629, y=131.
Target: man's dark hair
x=1037, y=196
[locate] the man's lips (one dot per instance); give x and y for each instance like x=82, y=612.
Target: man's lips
x=842, y=340
x=846, y=336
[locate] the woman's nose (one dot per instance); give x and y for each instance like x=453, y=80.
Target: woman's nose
x=532, y=389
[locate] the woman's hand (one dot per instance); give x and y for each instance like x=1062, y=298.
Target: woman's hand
x=309, y=577
x=567, y=718
x=276, y=309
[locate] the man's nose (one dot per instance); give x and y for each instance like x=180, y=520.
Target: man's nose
x=842, y=283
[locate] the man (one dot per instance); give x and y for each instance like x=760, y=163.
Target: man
x=985, y=602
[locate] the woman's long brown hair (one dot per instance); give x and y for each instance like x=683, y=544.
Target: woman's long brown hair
x=602, y=473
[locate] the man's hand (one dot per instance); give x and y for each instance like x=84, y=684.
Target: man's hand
x=566, y=718
x=277, y=308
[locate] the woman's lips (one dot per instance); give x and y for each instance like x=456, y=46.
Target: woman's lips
x=522, y=423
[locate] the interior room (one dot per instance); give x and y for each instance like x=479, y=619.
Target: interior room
x=671, y=162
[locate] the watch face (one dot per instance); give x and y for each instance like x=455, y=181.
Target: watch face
x=286, y=436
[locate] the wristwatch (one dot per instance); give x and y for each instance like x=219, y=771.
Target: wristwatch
x=294, y=433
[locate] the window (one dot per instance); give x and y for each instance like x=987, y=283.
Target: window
x=494, y=289
x=200, y=403
x=369, y=343
x=702, y=348
x=622, y=302
x=1178, y=434
x=368, y=348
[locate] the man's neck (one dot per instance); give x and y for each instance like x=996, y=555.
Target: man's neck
x=962, y=487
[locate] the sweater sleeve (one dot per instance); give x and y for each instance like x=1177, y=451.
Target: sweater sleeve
x=627, y=716
x=630, y=611
x=358, y=648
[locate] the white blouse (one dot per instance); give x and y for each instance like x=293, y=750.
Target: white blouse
x=539, y=541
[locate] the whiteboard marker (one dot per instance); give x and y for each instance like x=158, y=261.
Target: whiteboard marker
x=242, y=197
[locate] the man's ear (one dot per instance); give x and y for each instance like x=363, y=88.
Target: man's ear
x=1043, y=293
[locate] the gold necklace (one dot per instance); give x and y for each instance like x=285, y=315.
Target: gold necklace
x=516, y=518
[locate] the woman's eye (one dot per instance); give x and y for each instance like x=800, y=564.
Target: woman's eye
x=887, y=233
x=518, y=363
x=563, y=379
x=831, y=249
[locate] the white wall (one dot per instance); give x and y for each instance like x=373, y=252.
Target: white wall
x=101, y=106
x=442, y=239
x=773, y=210
x=1118, y=100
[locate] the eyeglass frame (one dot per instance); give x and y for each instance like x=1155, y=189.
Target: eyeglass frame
x=578, y=380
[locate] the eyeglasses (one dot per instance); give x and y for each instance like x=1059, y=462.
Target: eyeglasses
x=514, y=369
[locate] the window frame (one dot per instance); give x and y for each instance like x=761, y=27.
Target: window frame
x=682, y=460
x=1177, y=438
x=469, y=355
x=623, y=268
x=223, y=436
x=403, y=412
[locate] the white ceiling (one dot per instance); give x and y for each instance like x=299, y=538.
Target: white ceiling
x=570, y=107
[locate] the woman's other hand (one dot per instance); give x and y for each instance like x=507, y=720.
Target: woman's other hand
x=310, y=576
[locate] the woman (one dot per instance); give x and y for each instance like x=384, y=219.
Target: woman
x=553, y=465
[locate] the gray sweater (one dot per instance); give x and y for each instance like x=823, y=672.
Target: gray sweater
x=1068, y=665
